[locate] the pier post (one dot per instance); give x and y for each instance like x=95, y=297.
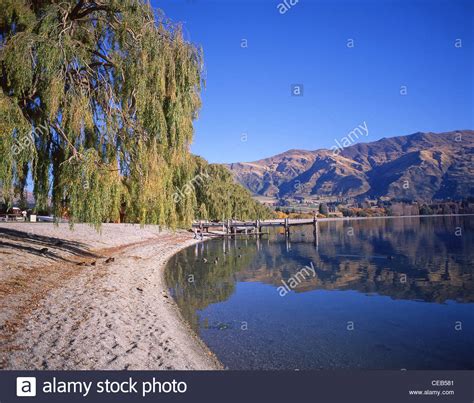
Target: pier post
x=257, y=226
x=315, y=231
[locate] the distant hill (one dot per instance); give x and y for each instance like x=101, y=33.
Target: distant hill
x=420, y=166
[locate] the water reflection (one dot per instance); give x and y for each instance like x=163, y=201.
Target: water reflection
x=412, y=258
x=407, y=259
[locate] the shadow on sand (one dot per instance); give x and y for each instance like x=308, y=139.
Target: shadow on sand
x=42, y=245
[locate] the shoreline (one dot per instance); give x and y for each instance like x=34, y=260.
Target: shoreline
x=97, y=300
x=93, y=301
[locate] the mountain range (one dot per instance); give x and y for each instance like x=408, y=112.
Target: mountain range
x=420, y=166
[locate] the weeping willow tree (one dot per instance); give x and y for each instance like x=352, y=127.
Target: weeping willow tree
x=97, y=103
x=219, y=197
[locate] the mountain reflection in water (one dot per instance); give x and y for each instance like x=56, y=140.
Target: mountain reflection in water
x=405, y=284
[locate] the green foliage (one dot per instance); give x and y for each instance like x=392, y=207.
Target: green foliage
x=323, y=209
x=203, y=212
x=426, y=210
x=114, y=88
x=222, y=197
x=13, y=159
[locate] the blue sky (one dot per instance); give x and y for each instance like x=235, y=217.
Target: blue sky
x=248, y=111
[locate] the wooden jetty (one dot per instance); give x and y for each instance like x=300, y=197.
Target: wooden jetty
x=234, y=227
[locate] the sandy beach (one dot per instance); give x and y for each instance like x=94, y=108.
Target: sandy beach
x=85, y=300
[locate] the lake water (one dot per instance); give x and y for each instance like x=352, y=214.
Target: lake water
x=384, y=294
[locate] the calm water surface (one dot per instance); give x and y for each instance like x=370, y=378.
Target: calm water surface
x=385, y=293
